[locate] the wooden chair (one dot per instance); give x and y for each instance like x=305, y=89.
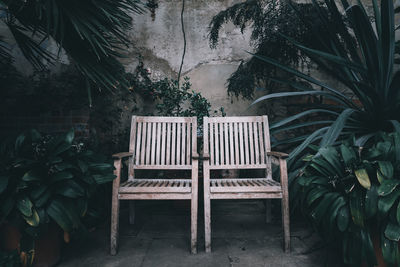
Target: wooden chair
x=242, y=143
x=158, y=143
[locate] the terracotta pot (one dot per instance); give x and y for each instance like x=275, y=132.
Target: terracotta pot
x=9, y=237
x=47, y=247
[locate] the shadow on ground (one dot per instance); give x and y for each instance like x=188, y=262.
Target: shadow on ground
x=240, y=237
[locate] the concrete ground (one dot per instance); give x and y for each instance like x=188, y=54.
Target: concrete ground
x=240, y=237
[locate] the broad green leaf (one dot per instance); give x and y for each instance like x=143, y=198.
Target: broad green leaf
x=389, y=249
x=331, y=155
x=363, y=178
x=69, y=136
x=371, y=202
x=336, y=128
x=25, y=206
x=343, y=218
x=348, y=154
x=398, y=213
x=31, y=176
x=60, y=176
x=105, y=178
x=315, y=194
x=56, y=211
x=322, y=207
x=386, y=202
x=392, y=231
x=386, y=169
x=356, y=208
x=33, y=220
x=70, y=189
x=387, y=187
x=380, y=176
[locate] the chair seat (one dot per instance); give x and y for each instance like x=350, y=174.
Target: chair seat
x=156, y=186
x=244, y=185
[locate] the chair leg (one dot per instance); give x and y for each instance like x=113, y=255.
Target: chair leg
x=131, y=212
x=114, y=224
x=207, y=223
x=286, y=223
x=268, y=216
x=194, y=226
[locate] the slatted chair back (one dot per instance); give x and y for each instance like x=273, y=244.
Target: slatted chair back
x=237, y=142
x=163, y=142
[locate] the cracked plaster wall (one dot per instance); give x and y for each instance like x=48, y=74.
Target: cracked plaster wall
x=160, y=42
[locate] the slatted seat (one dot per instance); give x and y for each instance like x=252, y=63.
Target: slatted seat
x=242, y=143
x=157, y=143
x=156, y=186
x=245, y=185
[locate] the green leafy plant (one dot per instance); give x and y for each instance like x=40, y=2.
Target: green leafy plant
x=176, y=101
x=266, y=19
x=91, y=33
x=363, y=63
x=352, y=196
x=49, y=179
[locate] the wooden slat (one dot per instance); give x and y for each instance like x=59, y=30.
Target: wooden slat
x=246, y=143
x=148, y=142
x=153, y=144
x=246, y=195
x=235, y=119
x=143, y=150
x=238, y=166
x=158, y=144
x=216, y=144
x=251, y=139
x=188, y=132
x=155, y=196
x=162, y=119
x=256, y=143
x=212, y=145
x=173, y=148
x=227, y=156
x=236, y=144
x=232, y=151
x=183, y=155
x=163, y=144
x=138, y=143
x=178, y=143
x=221, y=143
x=168, y=147
x=241, y=148
x=262, y=147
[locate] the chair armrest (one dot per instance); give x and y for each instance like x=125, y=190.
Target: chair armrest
x=122, y=155
x=279, y=155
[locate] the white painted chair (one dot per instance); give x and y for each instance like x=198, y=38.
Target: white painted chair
x=242, y=143
x=158, y=143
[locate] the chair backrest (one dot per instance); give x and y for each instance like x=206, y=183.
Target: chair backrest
x=163, y=142
x=237, y=142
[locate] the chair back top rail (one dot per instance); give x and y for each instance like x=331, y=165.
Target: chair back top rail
x=237, y=142
x=163, y=142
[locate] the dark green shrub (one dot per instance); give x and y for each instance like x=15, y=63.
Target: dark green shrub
x=351, y=194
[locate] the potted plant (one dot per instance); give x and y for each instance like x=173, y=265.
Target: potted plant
x=46, y=183
x=351, y=195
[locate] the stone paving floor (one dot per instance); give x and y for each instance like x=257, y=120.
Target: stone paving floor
x=240, y=237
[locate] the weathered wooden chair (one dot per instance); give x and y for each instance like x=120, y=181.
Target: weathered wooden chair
x=158, y=143
x=242, y=143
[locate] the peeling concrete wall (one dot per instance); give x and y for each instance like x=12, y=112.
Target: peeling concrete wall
x=160, y=42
